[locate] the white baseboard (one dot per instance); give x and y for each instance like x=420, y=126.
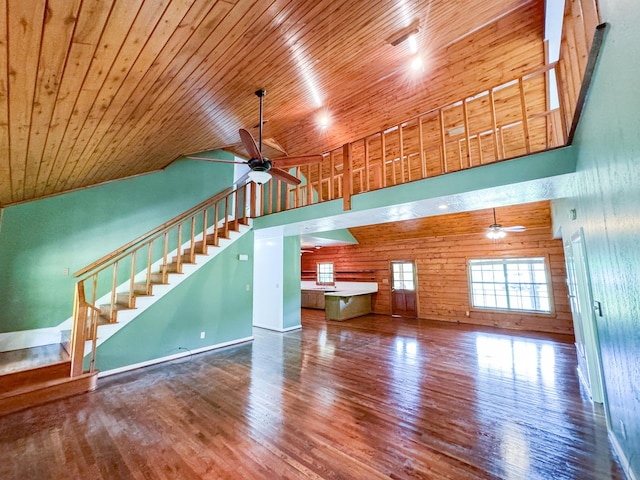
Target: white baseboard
x=624, y=461
x=280, y=330
x=181, y=354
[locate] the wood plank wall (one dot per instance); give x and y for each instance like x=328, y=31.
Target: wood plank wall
x=441, y=263
x=580, y=20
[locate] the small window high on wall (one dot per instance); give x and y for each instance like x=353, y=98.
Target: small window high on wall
x=510, y=284
x=324, y=274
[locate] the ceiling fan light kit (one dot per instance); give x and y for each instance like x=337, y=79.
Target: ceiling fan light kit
x=259, y=177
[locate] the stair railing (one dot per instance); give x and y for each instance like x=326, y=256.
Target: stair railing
x=165, y=248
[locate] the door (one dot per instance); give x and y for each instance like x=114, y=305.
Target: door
x=584, y=320
x=403, y=289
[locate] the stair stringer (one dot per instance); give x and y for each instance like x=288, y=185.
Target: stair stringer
x=143, y=302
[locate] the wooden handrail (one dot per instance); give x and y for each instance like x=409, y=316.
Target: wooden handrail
x=158, y=230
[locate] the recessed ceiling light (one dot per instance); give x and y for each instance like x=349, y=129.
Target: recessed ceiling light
x=416, y=64
x=324, y=121
x=413, y=44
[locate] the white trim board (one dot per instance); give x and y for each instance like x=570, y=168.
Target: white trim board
x=184, y=352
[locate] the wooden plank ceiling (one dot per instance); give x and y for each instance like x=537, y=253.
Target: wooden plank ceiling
x=96, y=90
x=533, y=216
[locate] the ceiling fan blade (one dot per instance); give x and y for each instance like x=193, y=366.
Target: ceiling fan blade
x=250, y=144
x=288, y=162
x=217, y=160
x=515, y=228
x=284, y=176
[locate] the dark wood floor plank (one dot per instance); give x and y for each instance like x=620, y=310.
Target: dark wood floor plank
x=371, y=398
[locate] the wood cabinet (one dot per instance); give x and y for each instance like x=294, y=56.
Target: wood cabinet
x=312, y=299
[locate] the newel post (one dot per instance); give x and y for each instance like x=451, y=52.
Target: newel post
x=79, y=330
x=347, y=178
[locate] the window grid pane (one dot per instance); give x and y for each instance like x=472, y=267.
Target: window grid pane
x=325, y=273
x=510, y=284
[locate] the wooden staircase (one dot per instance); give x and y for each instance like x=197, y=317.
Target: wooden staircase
x=27, y=388
x=125, y=301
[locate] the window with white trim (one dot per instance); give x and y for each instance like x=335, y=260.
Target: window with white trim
x=324, y=274
x=510, y=284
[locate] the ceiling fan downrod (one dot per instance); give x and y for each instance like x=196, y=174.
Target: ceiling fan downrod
x=260, y=93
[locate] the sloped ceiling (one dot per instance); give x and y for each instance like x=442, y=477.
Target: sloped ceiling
x=96, y=90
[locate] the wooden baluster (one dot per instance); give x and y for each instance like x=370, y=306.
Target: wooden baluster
x=480, y=153
x=525, y=116
x=192, y=240
x=226, y=217
x=297, y=201
x=563, y=126
x=423, y=160
x=309, y=187
x=179, y=250
x=401, y=153
x=320, y=197
x=164, y=257
x=216, y=233
x=467, y=137
x=114, y=284
x=205, y=222
x=347, y=176
x=367, y=184
x=443, y=142
x=460, y=155
x=149, y=263
x=332, y=172
x=287, y=195
x=237, y=211
x=132, y=280
x=494, y=125
x=383, y=146
x=278, y=191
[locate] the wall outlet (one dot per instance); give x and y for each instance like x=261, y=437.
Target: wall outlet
x=468, y=313
x=65, y=271
x=248, y=287
x=201, y=334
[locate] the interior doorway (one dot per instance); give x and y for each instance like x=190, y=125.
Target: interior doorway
x=584, y=320
x=403, y=289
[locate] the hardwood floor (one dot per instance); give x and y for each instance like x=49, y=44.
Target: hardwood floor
x=373, y=397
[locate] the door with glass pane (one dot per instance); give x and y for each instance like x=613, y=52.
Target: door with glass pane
x=403, y=289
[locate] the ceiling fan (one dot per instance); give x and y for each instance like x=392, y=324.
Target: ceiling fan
x=262, y=168
x=497, y=231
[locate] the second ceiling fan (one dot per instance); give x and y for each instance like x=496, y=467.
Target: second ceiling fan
x=497, y=231
x=262, y=168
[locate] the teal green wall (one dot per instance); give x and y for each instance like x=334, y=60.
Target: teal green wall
x=291, y=282
x=607, y=203
x=39, y=239
x=214, y=300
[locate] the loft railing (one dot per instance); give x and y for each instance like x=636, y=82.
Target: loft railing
x=120, y=276
x=504, y=121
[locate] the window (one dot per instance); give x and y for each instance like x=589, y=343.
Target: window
x=324, y=274
x=402, y=276
x=510, y=284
